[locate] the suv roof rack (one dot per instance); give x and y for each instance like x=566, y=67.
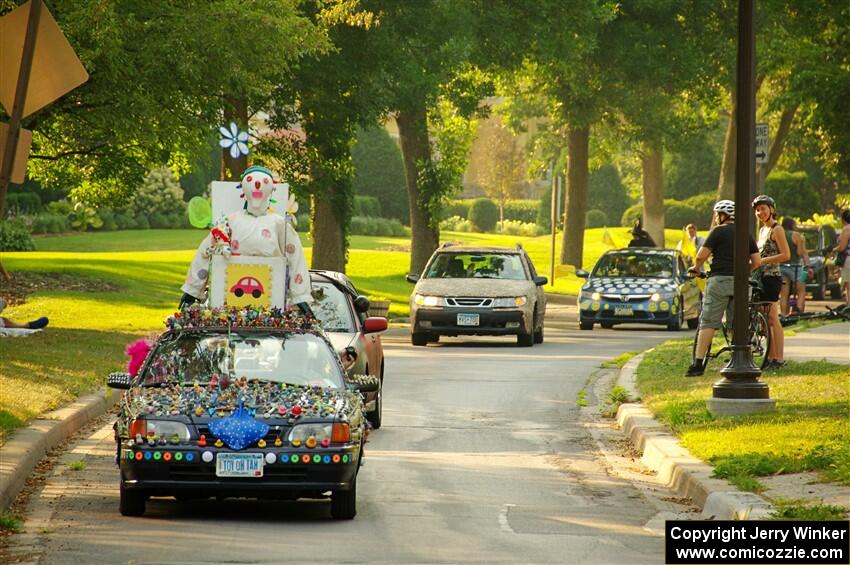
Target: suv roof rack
x=519, y=247
x=448, y=244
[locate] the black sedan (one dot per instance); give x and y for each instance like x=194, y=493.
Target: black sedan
x=639, y=285
x=240, y=403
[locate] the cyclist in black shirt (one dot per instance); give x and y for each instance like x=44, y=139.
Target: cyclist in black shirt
x=719, y=291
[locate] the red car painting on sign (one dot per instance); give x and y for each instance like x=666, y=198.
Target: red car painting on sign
x=248, y=285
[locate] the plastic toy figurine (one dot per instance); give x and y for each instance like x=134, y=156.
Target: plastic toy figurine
x=254, y=231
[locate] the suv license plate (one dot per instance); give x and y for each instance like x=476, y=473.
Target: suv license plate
x=624, y=311
x=467, y=319
x=239, y=465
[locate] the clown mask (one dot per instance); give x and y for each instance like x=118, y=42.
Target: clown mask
x=257, y=187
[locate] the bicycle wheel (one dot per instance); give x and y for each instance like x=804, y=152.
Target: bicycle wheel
x=759, y=338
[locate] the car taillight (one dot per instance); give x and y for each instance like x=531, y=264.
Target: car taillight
x=340, y=433
x=139, y=426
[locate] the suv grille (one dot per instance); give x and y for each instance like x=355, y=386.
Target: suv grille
x=470, y=302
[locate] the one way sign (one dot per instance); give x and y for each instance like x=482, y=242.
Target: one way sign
x=761, y=143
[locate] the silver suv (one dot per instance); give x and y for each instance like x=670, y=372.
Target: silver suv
x=468, y=290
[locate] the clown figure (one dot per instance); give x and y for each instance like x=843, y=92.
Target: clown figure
x=253, y=231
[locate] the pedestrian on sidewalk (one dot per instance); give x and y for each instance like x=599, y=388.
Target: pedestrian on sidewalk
x=796, y=270
x=774, y=250
x=842, y=250
x=720, y=289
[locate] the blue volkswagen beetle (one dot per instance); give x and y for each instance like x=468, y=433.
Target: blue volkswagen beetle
x=639, y=285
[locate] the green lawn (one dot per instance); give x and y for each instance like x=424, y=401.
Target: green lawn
x=809, y=430
x=89, y=329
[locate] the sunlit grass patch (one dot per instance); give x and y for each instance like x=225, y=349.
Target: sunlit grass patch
x=808, y=431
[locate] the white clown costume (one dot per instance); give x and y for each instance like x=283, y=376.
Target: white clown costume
x=254, y=231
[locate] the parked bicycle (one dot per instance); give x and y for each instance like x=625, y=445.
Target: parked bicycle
x=757, y=328
x=839, y=313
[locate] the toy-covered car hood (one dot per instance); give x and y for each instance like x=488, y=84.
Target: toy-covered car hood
x=490, y=288
x=260, y=400
x=629, y=285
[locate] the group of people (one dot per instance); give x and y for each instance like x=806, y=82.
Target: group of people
x=778, y=258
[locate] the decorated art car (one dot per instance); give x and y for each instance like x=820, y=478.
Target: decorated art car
x=246, y=403
x=639, y=285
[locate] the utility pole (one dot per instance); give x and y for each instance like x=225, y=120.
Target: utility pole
x=740, y=391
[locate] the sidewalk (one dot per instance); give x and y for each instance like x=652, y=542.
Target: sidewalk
x=830, y=342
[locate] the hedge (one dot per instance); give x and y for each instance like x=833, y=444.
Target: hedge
x=793, y=193
x=18, y=203
x=367, y=206
x=14, y=236
x=484, y=214
x=595, y=219
x=364, y=225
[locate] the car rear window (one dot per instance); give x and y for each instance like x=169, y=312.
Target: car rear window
x=476, y=266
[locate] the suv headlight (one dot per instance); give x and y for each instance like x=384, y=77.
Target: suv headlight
x=510, y=302
x=168, y=429
x=425, y=300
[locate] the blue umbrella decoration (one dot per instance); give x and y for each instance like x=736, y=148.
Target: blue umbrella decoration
x=239, y=430
x=234, y=139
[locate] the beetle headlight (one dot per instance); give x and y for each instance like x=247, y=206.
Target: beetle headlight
x=595, y=296
x=510, y=302
x=655, y=297
x=425, y=300
x=168, y=428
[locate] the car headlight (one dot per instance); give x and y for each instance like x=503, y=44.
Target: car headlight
x=168, y=429
x=311, y=435
x=510, y=302
x=595, y=296
x=424, y=300
x=655, y=297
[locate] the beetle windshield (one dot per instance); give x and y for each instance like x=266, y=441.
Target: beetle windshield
x=298, y=359
x=636, y=265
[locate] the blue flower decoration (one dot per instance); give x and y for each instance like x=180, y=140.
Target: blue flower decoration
x=235, y=140
x=239, y=430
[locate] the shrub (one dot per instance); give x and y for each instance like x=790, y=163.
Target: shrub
x=704, y=205
x=367, y=206
x=20, y=203
x=160, y=221
x=595, y=219
x=522, y=210
x=793, y=193
x=14, y=236
x=515, y=227
x=47, y=223
x=159, y=193
x=544, y=209
x=631, y=215
x=387, y=227
x=303, y=223
x=379, y=172
x=606, y=192
x=62, y=207
x=456, y=223
x=459, y=208
x=107, y=215
x=484, y=214
x=84, y=218
x=142, y=222
x=125, y=220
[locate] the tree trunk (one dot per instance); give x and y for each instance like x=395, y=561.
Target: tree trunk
x=572, y=246
x=726, y=184
x=328, y=236
x=776, y=147
x=416, y=149
x=235, y=110
x=652, y=166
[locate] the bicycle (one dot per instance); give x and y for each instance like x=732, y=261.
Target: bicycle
x=757, y=328
x=839, y=313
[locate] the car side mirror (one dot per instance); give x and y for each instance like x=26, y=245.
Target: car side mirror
x=540, y=281
x=361, y=304
x=582, y=273
x=411, y=278
x=122, y=381
x=364, y=383
x=374, y=324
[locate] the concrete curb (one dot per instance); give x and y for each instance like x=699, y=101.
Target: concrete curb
x=27, y=446
x=676, y=467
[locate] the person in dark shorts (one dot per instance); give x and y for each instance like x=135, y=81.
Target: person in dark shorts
x=719, y=290
x=773, y=248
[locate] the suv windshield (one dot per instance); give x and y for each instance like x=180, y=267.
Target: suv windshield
x=634, y=265
x=476, y=266
x=298, y=359
x=330, y=305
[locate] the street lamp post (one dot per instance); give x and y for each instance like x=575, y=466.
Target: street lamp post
x=740, y=390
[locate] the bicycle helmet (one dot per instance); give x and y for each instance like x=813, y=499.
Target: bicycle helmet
x=725, y=206
x=764, y=199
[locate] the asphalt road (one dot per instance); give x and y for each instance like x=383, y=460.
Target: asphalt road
x=482, y=458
